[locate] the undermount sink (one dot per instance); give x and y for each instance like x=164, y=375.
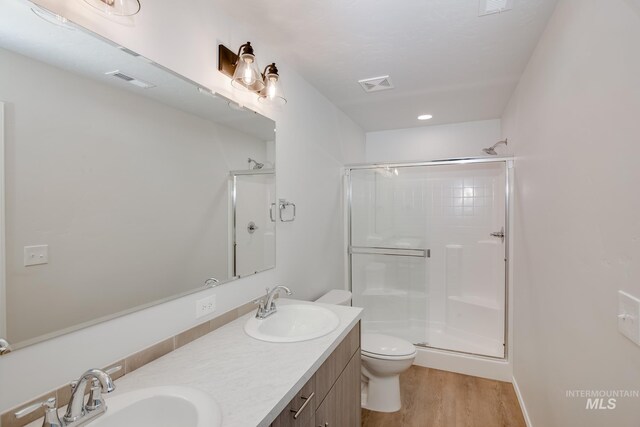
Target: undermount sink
x=293, y=323
x=167, y=406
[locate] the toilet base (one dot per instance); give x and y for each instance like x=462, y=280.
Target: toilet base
x=381, y=394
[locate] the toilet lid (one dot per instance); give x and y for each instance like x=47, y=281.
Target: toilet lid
x=386, y=345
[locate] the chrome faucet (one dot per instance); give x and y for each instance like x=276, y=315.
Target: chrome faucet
x=79, y=414
x=267, y=305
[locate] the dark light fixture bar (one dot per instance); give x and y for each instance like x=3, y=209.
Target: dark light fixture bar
x=243, y=70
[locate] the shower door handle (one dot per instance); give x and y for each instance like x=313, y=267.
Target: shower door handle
x=499, y=234
x=271, y=215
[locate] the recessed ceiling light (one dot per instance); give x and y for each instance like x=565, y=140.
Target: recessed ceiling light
x=425, y=117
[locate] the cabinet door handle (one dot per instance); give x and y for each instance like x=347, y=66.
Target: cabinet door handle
x=304, y=405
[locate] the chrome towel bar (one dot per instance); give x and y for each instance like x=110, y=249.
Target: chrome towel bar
x=375, y=250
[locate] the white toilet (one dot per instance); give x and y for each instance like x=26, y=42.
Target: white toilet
x=336, y=297
x=384, y=358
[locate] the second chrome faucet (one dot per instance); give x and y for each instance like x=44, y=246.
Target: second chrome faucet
x=267, y=305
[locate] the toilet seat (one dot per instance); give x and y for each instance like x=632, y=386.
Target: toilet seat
x=386, y=347
x=384, y=357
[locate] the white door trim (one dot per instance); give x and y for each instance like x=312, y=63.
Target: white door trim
x=3, y=293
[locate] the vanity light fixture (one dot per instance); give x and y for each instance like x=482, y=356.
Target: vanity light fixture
x=425, y=117
x=116, y=7
x=245, y=74
x=272, y=93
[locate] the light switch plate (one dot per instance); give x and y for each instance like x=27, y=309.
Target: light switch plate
x=35, y=255
x=205, y=306
x=629, y=316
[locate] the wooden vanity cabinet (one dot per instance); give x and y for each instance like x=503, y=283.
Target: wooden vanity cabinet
x=341, y=407
x=331, y=398
x=303, y=405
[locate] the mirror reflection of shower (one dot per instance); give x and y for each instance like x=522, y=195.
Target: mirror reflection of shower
x=256, y=164
x=492, y=150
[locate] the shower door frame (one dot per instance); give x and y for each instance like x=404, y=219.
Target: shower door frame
x=508, y=164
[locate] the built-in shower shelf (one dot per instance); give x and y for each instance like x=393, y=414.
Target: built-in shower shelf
x=394, y=293
x=385, y=293
x=481, y=302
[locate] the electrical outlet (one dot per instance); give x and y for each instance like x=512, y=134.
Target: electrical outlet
x=205, y=306
x=629, y=316
x=35, y=255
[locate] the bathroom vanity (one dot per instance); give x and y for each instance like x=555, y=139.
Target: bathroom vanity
x=251, y=382
x=259, y=383
x=332, y=396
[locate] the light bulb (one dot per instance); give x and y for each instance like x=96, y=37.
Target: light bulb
x=271, y=90
x=272, y=93
x=247, y=76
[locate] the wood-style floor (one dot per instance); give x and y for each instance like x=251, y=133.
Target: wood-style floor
x=432, y=398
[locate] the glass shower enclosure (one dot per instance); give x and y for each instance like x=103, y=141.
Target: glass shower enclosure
x=428, y=254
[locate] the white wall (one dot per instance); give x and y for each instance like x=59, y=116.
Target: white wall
x=314, y=139
x=574, y=126
x=432, y=142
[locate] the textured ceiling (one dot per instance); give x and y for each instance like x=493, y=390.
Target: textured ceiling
x=442, y=57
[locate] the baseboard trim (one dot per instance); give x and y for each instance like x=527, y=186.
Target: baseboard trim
x=493, y=369
x=523, y=407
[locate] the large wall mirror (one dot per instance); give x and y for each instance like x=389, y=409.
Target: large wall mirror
x=124, y=184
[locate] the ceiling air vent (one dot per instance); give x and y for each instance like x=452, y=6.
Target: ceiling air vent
x=489, y=7
x=131, y=80
x=376, y=84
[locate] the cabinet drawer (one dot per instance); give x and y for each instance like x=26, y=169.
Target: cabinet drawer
x=331, y=369
x=300, y=411
x=341, y=407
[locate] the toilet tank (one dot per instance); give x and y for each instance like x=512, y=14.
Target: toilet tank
x=336, y=297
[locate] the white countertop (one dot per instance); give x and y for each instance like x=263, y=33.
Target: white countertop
x=252, y=381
